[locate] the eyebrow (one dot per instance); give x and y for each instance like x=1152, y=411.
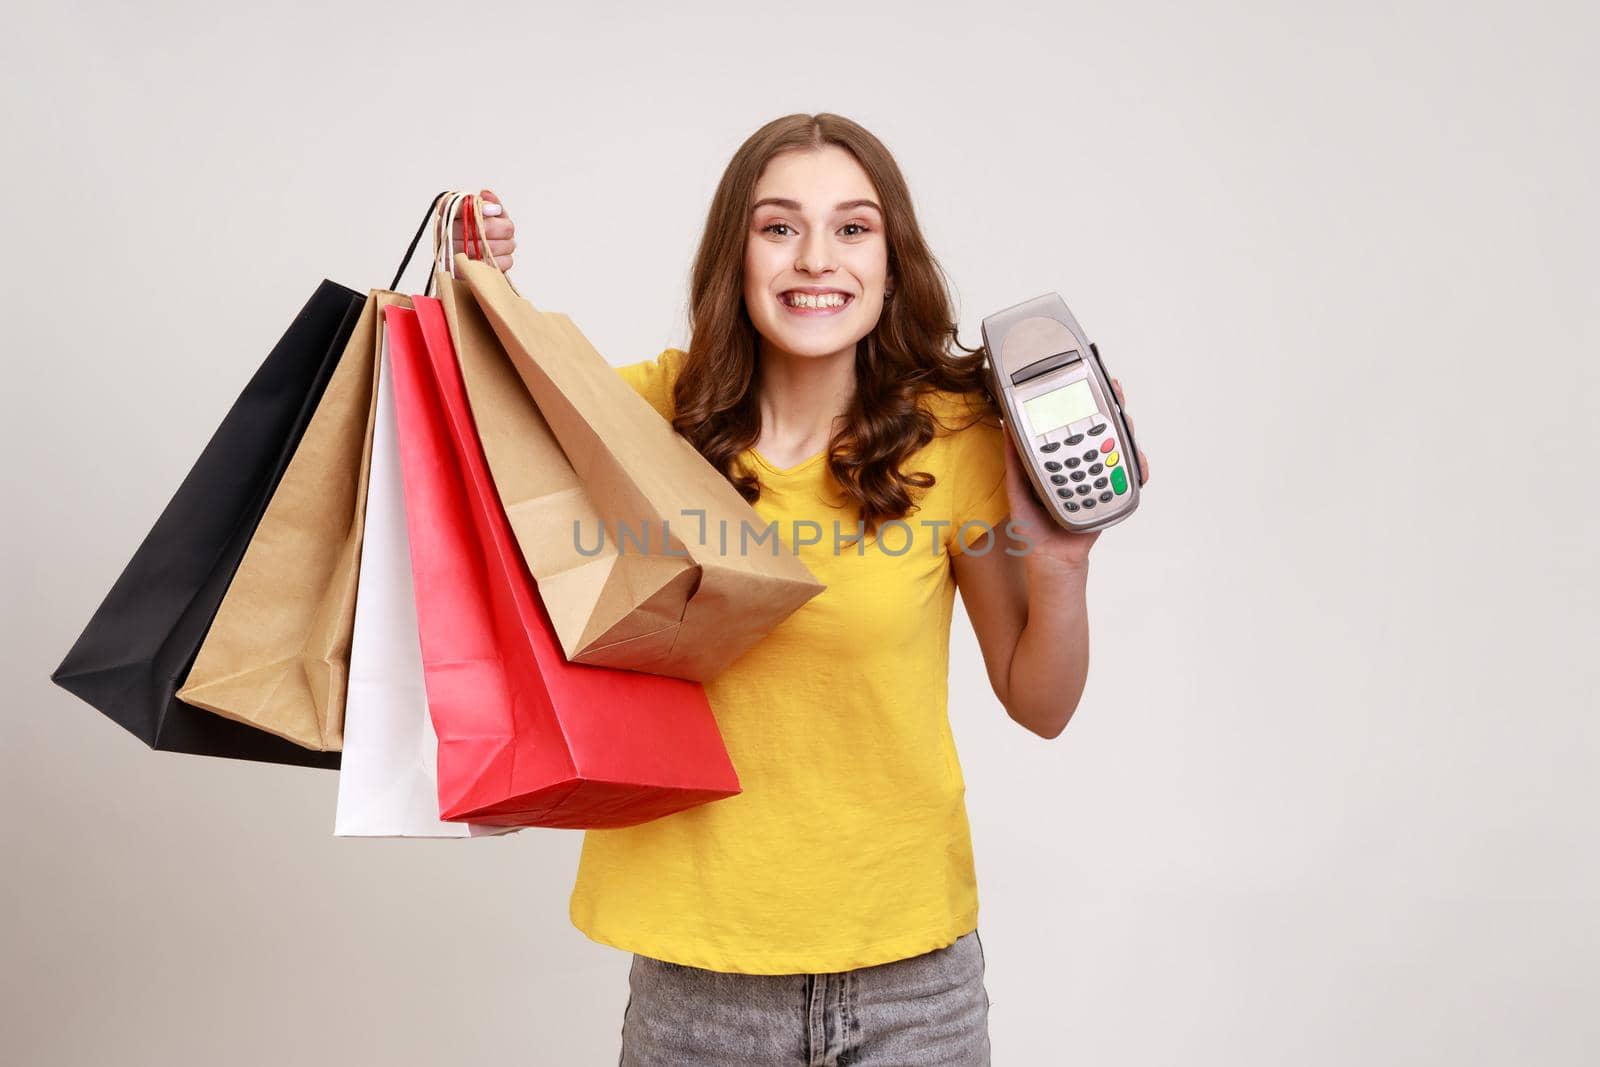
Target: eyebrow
x=794, y=205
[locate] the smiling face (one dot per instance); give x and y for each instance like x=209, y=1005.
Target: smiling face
x=816, y=259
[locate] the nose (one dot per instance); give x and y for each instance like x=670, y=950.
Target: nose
x=814, y=253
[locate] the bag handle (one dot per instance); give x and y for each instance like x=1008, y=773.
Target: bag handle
x=444, y=236
x=473, y=229
x=394, y=286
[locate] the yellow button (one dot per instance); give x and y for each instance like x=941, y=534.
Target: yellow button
x=1111, y=460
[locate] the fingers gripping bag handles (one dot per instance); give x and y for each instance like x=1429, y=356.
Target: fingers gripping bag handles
x=525, y=737
x=138, y=646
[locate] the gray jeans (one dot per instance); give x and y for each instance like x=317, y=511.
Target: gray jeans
x=930, y=1010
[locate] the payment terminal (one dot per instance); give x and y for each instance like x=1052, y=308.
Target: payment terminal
x=1063, y=415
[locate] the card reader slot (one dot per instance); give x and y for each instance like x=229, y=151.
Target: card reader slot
x=1041, y=366
x=1122, y=417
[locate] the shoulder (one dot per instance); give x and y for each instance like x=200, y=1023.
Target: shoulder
x=968, y=459
x=963, y=422
x=653, y=379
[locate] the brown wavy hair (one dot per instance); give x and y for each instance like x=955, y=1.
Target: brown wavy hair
x=907, y=354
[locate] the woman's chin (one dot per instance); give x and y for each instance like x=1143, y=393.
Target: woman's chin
x=812, y=345
x=814, y=339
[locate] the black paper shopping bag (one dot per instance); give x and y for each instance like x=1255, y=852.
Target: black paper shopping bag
x=138, y=647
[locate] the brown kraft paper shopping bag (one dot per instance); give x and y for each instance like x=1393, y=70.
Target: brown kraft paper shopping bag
x=657, y=498
x=610, y=608
x=277, y=655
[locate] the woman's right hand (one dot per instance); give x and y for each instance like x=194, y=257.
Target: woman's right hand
x=498, y=229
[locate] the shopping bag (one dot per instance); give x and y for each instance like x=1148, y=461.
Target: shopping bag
x=656, y=495
x=610, y=608
x=525, y=737
x=277, y=653
x=137, y=647
x=388, y=778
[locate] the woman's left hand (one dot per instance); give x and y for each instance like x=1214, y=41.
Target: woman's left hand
x=1049, y=540
x=499, y=232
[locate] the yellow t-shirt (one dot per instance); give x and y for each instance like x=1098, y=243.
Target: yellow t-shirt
x=849, y=845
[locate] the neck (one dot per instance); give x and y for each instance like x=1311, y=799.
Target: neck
x=800, y=397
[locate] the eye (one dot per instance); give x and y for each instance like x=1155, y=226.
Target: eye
x=846, y=226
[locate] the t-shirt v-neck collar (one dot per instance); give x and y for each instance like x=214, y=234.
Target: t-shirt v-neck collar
x=786, y=472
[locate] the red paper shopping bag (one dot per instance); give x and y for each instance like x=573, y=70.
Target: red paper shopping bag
x=525, y=737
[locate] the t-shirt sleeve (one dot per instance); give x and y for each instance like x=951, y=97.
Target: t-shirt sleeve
x=653, y=379
x=978, y=483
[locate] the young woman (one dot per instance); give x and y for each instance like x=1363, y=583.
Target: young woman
x=828, y=913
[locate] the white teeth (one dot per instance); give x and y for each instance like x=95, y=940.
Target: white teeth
x=807, y=300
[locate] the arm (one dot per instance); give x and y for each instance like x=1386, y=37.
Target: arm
x=1032, y=625
x=1029, y=610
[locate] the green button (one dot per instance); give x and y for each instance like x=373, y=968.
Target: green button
x=1119, y=479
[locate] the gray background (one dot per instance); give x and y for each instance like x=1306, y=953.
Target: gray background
x=1329, y=796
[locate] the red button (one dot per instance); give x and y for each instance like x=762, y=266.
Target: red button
x=1107, y=445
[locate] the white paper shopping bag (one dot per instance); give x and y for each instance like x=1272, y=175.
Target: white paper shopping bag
x=388, y=780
